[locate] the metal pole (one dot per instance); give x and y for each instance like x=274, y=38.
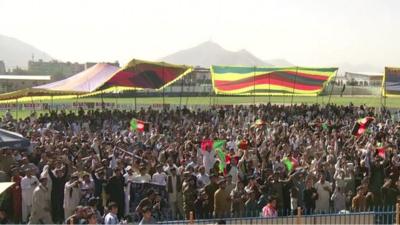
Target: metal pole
x=180, y=96
x=16, y=104
x=102, y=101
x=163, y=90
x=384, y=97
x=269, y=87
x=52, y=103
x=134, y=92
x=333, y=85
x=294, y=84
x=254, y=85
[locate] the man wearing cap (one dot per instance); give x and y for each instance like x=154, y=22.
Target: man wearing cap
x=28, y=185
x=59, y=178
x=159, y=177
x=115, y=189
x=72, y=195
x=128, y=178
x=41, y=204
x=174, y=189
x=210, y=190
x=143, y=177
x=221, y=201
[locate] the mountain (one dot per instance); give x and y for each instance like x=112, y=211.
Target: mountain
x=17, y=53
x=279, y=62
x=210, y=53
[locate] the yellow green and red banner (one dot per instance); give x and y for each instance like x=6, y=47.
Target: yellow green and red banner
x=241, y=80
x=391, y=82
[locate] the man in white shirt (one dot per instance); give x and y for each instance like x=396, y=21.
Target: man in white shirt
x=174, y=189
x=28, y=185
x=143, y=177
x=111, y=217
x=72, y=195
x=159, y=177
x=323, y=190
x=129, y=178
x=208, y=159
x=202, y=177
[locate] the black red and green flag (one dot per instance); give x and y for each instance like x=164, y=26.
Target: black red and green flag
x=258, y=123
x=139, y=125
x=241, y=80
x=361, y=125
x=218, y=146
x=148, y=75
x=380, y=150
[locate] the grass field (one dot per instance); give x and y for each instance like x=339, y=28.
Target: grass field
x=225, y=100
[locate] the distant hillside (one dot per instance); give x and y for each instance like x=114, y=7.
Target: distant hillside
x=210, y=53
x=279, y=62
x=17, y=53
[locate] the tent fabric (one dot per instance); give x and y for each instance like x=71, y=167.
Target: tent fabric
x=391, y=82
x=86, y=81
x=13, y=140
x=148, y=75
x=5, y=185
x=81, y=83
x=104, y=78
x=240, y=80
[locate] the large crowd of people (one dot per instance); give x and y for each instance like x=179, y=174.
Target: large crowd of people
x=278, y=159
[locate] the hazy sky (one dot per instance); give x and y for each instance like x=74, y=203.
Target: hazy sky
x=305, y=32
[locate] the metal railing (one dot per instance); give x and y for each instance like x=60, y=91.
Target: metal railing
x=377, y=215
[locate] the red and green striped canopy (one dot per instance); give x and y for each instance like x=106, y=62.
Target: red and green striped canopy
x=236, y=80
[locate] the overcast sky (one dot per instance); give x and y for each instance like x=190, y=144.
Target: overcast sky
x=305, y=32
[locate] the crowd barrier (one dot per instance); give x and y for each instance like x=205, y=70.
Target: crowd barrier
x=382, y=215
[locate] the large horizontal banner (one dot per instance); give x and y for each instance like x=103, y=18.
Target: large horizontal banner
x=148, y=75
x=391, y=82
x=234, y=80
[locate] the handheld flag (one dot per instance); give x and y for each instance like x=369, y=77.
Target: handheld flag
x=139, y=125
x=288, y=164
x=381, y=150
x=217, y=146
x=207, y=143
x=361, y=125
x=258, y=123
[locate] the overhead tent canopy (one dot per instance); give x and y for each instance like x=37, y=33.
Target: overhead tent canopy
x=78, y=84
x=4, y=186
x=240, y=80
x=148, y=75
x=13, y=140
x=137, y=74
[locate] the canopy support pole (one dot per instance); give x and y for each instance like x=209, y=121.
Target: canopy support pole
x=17, y=108
x=180, y=96
x=333, y=85
x=116, y=97
x=254, y=85
x=163, y=88
x=102, y=100
x=52, y=104
x=294, y=85
x=33, y=104
x=384, y=97
x=134, y=93
x=269, y=88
